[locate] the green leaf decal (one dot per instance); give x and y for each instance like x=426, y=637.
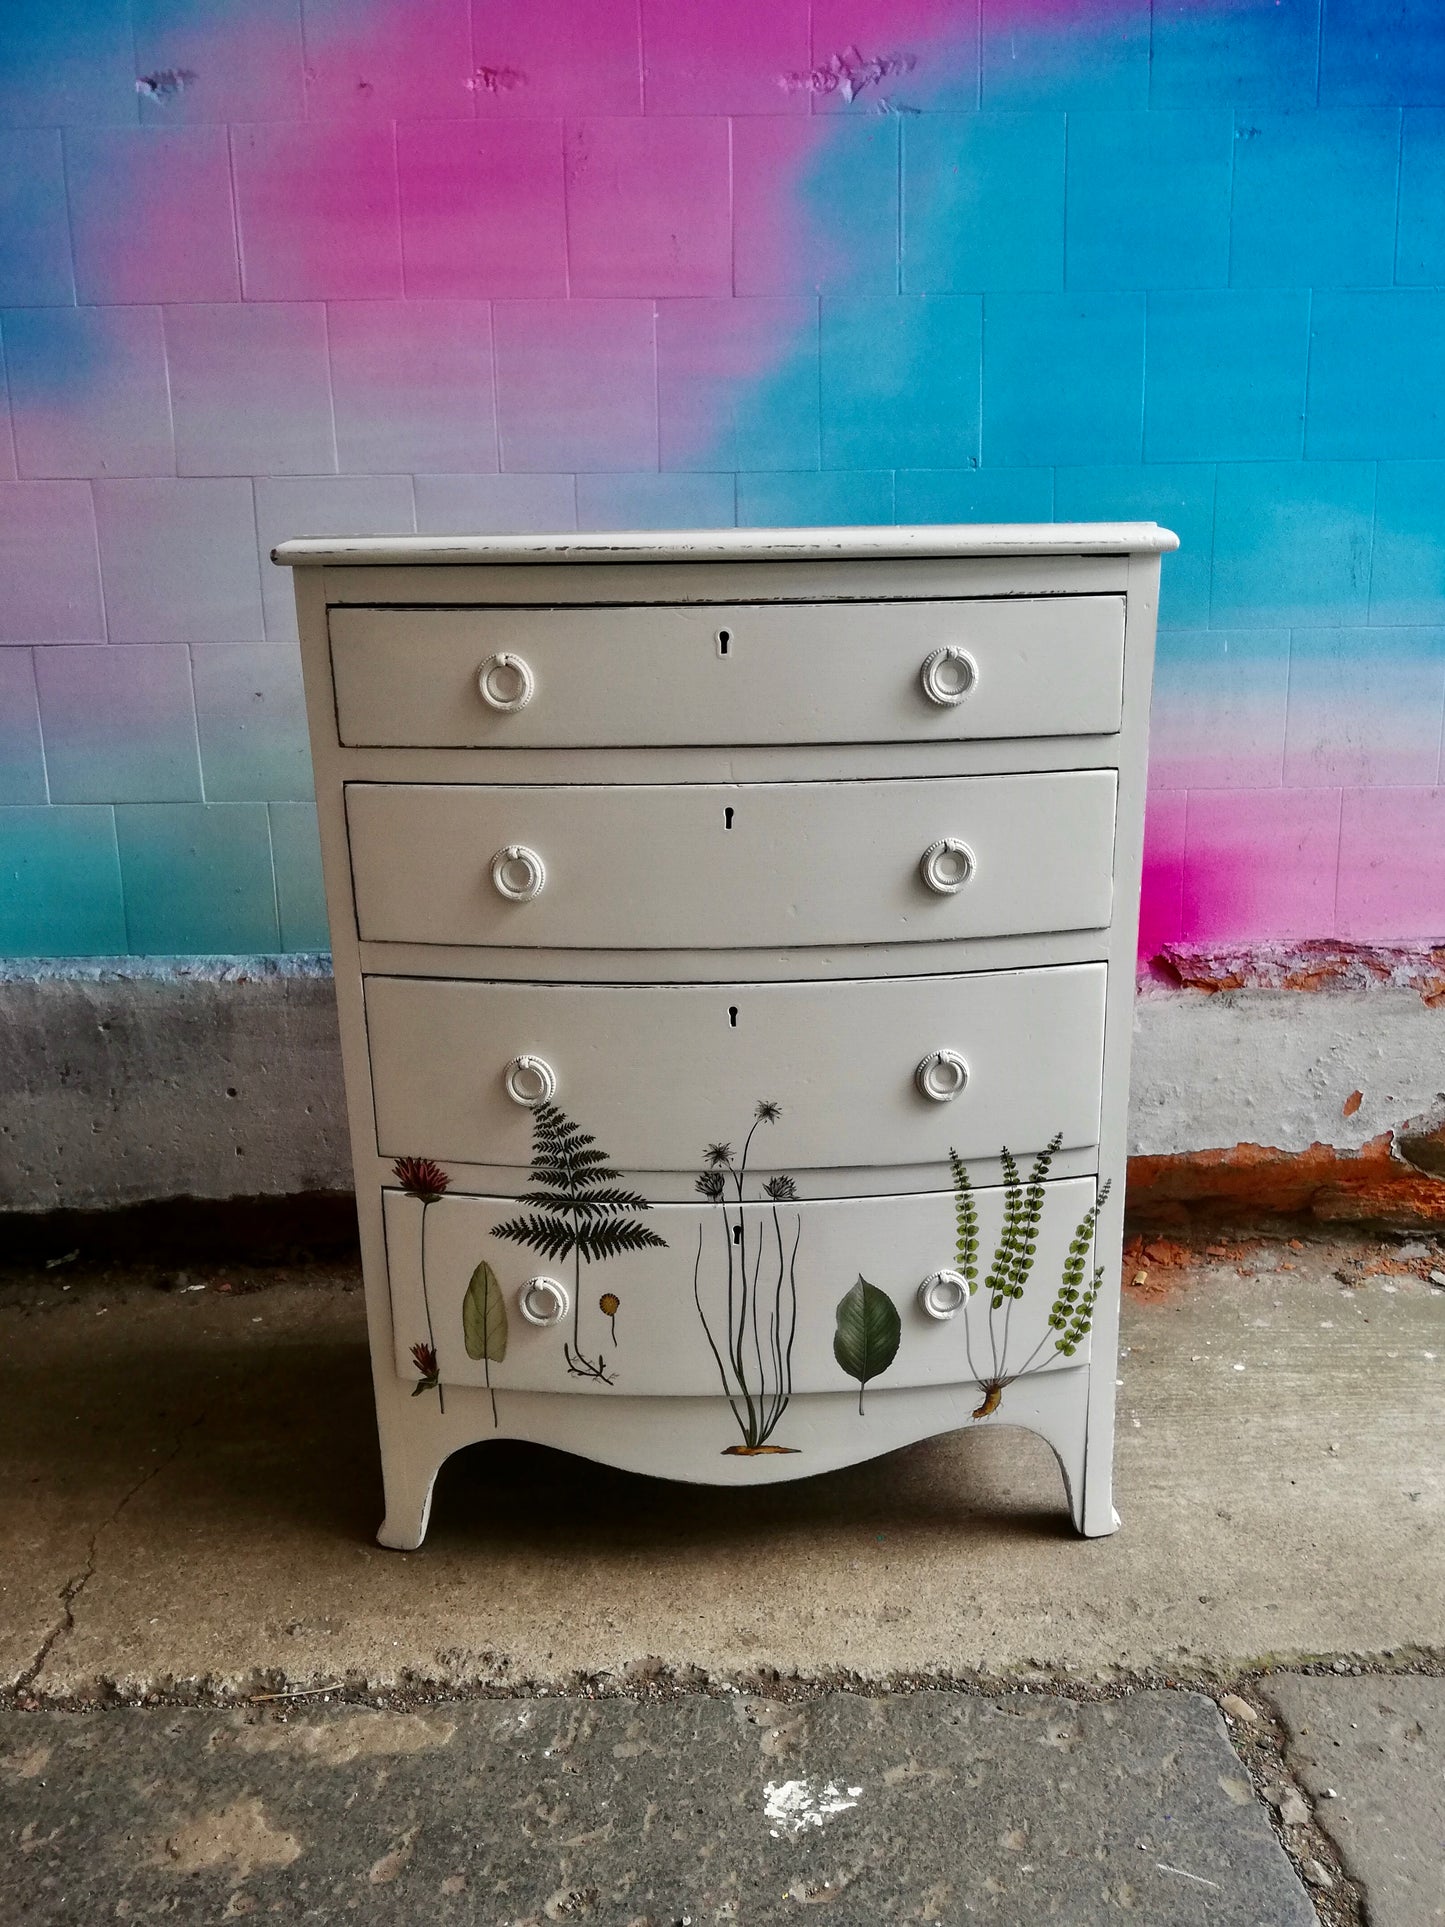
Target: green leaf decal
x=484, y=1316
x=869, y=1328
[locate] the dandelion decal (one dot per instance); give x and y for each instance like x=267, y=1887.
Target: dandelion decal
x=758, y=1319
x=609, y=1305
x=425, y=1179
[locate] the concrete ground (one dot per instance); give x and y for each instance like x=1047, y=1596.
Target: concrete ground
x=191, y=1482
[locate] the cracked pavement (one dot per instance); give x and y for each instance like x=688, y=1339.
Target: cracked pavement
x=192, y=1481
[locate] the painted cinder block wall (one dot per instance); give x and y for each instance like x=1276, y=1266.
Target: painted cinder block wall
x=271, y=267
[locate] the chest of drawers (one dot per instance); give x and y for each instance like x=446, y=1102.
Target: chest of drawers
x=734, y=940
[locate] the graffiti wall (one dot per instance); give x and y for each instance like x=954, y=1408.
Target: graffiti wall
x=278, y=267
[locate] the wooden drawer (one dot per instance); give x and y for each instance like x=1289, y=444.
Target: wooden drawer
x=658, y=1072
x=634, y=1320
x=768, y=673
x=745, y=866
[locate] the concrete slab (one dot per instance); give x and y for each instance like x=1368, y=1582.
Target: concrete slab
x=1370, y=1752
x=931, y=1806
x=192, y=1491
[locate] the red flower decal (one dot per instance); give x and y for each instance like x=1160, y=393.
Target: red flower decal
x=422, y=1178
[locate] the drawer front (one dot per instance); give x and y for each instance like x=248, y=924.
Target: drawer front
x=740, y=866
x=659, y=1072
x=655, y=1320
x=753, y=674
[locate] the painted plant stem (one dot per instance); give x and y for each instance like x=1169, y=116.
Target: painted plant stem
x=424, y=1179
x=754, y=1355
x=431, y=1337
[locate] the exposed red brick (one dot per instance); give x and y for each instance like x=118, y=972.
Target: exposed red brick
x=1319, y=966
x=1372, y=1185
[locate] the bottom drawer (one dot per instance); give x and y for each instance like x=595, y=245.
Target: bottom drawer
x=754, y=1301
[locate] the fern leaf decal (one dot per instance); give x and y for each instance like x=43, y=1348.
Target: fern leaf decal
x=608, y=1240
x=577, y=1209
x=1031, y=1211
x=1071, y=1315
x=966, y=1212
x=1000, y=1276
x=1073, y=1309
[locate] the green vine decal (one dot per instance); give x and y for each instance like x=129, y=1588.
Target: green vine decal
x=1072, y=1312
x=578, y=1211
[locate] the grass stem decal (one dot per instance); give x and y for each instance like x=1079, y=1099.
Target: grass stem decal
x=868, y=1334
x=484, y=1324
x=421, y=1178
x=578, y=1211
x=758, y=1320
x=1072, y=1312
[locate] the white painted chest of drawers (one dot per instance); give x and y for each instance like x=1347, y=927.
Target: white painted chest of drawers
x=734, y=943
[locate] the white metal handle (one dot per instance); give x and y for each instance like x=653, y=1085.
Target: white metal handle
x=941, y=1075
x=530, y=1081
x=943, y=1293
x=518, y=873
x=506, y=682
x=946, y=865
x=544, y=1301
x=948, y=675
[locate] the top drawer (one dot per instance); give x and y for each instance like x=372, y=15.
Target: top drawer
x=764, y=673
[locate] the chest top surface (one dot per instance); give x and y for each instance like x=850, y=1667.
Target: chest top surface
x=734, y=545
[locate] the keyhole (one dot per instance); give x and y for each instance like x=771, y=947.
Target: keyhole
x=737, y=1234
x=724, y=637
x=733, y=1015
x=727, y=818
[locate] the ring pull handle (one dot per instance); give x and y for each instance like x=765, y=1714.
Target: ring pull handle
x=943, y=1294
x=530, y=1081
x=946, y=865
x=948, y=675
x=941, y=1075
x=544, y=1301
x=506, y=682
x=518, y=873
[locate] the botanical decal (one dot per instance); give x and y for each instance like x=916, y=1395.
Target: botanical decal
x=752, y=1329
x=1072, y=1312
x=578, y=1211
x=429, y=1379
x=869, y=1330
x=484, y=1324
x=421, y=1178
